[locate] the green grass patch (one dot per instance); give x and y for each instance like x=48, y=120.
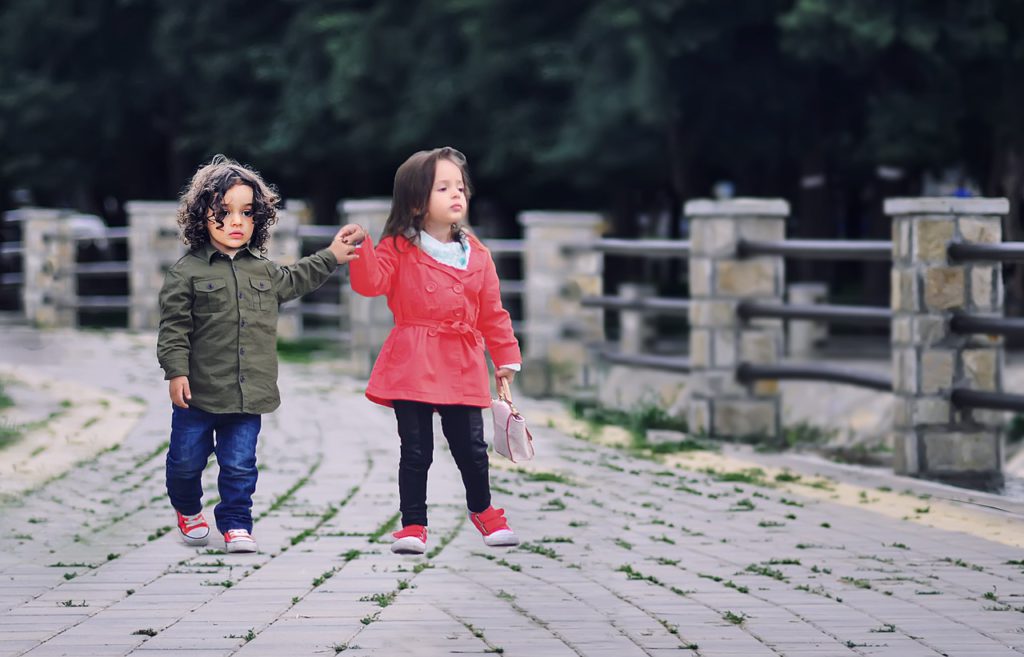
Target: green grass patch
x=306, y=350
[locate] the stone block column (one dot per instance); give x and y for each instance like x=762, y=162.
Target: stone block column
x=558, y=269
x=153, y=246
x=285, y=247
x=803, y=336
x=719, y=341
x=931, y=438
x=49, y=291
x=634, y=327
x=369, y=319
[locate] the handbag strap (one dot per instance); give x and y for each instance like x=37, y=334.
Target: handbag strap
x=505, y=395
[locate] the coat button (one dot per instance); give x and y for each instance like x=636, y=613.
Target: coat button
x=458, y=288
x=209, y=286
x=431, y=286
x=432, y=331
x=458, y=313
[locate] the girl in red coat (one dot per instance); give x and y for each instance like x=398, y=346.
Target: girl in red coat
x=442, y=288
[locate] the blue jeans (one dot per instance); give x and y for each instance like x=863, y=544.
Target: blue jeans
x=192, y=442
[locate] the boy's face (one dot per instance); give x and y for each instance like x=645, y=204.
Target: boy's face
x=448, y=203
x=238, y=221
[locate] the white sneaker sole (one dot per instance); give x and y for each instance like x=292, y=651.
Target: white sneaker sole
x=409, y=545
x=501, y=538
x=241, y=546
x=196, y=542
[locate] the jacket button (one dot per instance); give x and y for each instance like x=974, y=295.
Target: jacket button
x=241, y=351
x=431, y=286
x=241, y=296
x=432, y=331
x=242, y=323
x=458, y=288
x=209, y=286
x=241, y=378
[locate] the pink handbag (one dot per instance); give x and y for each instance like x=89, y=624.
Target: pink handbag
x=512, y=438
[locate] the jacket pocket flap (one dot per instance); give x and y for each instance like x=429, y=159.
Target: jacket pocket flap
x=210, y=285
x=262, y=284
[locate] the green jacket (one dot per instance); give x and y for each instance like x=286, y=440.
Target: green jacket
x=218, y=324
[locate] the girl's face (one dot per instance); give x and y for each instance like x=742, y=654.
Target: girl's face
x=448, y=204
x=238, y=221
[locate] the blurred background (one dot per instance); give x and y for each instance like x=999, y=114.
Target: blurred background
x=627, y=107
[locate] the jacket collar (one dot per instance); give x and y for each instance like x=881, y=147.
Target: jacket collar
x=208, y=251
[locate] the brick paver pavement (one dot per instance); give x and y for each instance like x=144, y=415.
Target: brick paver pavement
x=622, y=556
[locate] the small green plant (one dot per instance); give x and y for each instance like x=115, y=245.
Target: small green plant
x=305, y=350
x=770, y=523
x=758, y=569
x=158, y=533
x=734, y=618
x=887, y=628
x=323, y=577
x=625, y=545
x=72, y=603
x=859, y=583
x=149, y=631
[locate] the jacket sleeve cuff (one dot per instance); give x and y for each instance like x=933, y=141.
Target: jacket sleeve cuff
x=176, y=369
x=515, y=367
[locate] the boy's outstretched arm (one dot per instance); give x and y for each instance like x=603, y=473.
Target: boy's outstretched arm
x=311, y=272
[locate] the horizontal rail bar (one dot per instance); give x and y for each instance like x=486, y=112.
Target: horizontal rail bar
x=652, y=361
x=1002, y=252
x=11, y=248
x=513, y=288
x=647, y=305
x=321, y=309
x=996, y=401
x=818, y=249
x=99, y=303
x=643, y=248
x=860, y=315
x=98, y=268
x=112, y=234
x=749, y=372
x=970, y=324
x=14, y=278
x=505, y=247
x=313, y=231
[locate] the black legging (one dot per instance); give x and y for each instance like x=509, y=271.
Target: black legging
x=463, y=426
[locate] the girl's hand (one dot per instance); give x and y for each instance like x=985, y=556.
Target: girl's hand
x=352, y=234
x=504, y=373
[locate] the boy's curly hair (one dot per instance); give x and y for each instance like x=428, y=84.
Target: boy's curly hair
x=206, y=192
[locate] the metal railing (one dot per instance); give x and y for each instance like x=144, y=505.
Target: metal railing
x=750, y=372
x=817, y=249
x=646, y=305
x=856, y=315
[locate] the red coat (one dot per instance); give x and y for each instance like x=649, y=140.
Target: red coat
x=444, y=318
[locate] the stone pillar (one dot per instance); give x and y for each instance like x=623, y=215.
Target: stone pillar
x=931, y=439
x=369, y=319
x=719, y=340
x=153, y=246
x=49, y=290
x=634, y=329
x=285, y=247
x=558, y=269
x=803, y=337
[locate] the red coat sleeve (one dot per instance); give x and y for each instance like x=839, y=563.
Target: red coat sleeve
x=372, y=273
x=494, y=321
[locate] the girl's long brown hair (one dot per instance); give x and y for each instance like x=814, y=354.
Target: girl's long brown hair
x=413, y=183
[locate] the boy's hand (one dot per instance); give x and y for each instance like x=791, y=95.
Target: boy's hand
x=180, y=392
x=342, y=251
x=352, y=234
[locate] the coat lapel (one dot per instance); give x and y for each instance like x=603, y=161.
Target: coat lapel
x=477, y=260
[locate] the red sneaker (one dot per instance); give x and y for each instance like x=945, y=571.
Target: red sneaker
x=412, y=539
x=492, y=524
x=193, y=529
x=239, y=540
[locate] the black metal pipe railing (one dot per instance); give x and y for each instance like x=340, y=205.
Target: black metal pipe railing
x=112, y=234
x=502, y=247
x=99, y=303
x=750, y=372
x=859, y=315
x=106, y=268
x=996, y=401
x=818, y=249
x=655, y=362
x=1002, y=252
x=647, y=305
x=646, y=248
x=972, y=324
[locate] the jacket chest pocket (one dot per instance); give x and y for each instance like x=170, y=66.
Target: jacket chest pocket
x=262, y=295
x=211, y=295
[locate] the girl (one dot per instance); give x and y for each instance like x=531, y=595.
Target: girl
x=218, y=342
x=442, y=288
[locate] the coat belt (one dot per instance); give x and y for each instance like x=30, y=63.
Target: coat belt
x=468, y=333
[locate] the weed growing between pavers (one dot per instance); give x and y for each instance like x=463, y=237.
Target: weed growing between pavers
x=72, y=603
x=734, y=618
x=384, y=527
x=159, y=532
x=859, y=583
x=539, y=549
x=759, y=569
x=818, y=590
x=149, y=631
x=542, y=476
x=963, y=564
x=284, y=497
